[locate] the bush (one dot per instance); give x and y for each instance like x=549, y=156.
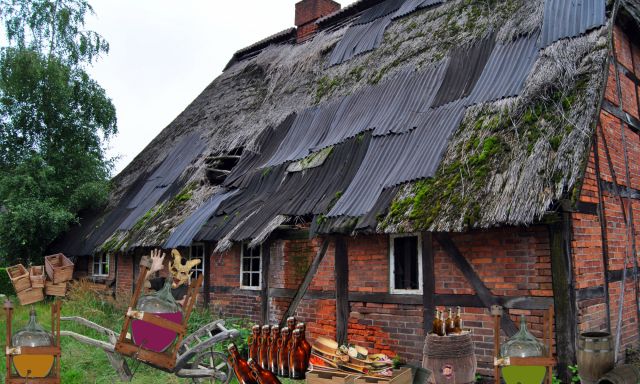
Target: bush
x=5, y=284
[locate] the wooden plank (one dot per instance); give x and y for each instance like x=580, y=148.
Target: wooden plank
x=264, y=293
x=306, y=281
x=563, y=292
x=428, y=282
x=206, y=289
x=487, y=298
x=163, y=323
x=158, y=360
x=341, y=269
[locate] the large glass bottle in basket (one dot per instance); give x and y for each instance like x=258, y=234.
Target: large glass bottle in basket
x=32, y=335
x=162, y=304
x=523, y=344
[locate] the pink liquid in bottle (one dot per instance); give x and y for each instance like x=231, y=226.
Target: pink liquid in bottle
x=153, y=337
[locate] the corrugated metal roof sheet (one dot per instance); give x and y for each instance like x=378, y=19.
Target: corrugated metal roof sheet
x=184, y=233
x=396, y=159
x=265, y=195
x=176, y=161
x=384, y=108
x=359, y=39
x=568, y=18
x=410, y=6
x=506, y=70
x=383, y=9
x=465, y=67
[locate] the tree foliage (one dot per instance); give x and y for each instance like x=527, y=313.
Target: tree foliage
x=54, y=123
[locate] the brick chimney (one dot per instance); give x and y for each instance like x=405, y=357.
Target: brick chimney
x=307, y=12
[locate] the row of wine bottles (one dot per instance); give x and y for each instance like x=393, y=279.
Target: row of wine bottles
x=448, y=326
x=273, y=351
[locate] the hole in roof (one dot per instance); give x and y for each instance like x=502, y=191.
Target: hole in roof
x=219, y=166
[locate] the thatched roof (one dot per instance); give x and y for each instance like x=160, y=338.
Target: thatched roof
x=399, y=115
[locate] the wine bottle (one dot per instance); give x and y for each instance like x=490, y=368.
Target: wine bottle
x=448, y=324
x=254, y=344
x=457, y=322
x=436, y=319
x=291, y=324
x=273, y=349
x=240, y=366
x=262, y=375
x=441, y=325
x=303, y=339
x=298, y=362
x=263, y=353
x=283, y=352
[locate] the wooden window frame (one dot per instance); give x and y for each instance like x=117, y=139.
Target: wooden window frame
x=242, y=271
x=100, y=263
x=200, y=268
x=392, y=288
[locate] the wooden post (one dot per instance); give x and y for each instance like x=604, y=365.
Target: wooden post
x=8, y=310
x=341, y=268
x=206, y=291
x=564, y=296
x=496, y=311
x=428, y=282
x=264, y=294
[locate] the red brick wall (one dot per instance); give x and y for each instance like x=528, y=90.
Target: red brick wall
x=124, y=279
x=588, y=241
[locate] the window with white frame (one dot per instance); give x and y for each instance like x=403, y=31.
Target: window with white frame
x=196, y=251
x=250, y=267
x=101, y=265
x=405, y=252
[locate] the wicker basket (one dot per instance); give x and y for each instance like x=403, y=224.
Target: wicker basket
x=19, y=277
x=59, y=268
x=52, y=289
x=30, y=296
x=36, y=275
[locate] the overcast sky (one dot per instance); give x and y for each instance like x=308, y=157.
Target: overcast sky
x=164, y=53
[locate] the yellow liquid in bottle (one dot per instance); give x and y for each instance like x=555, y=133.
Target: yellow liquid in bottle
x=33, y=365
x=523, y=375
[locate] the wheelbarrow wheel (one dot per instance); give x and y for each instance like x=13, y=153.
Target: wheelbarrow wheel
x=215, y=361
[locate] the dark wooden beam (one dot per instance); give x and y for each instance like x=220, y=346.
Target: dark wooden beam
x=616, y=274
x=563, y=293
x=306, y=281
x=341, y=269
x=428, y=282
x=587, y=208
x=206, y=288
x=615, y=110
x=602, y=218
x=448, y=300
x=590, y=293
x=485, y=295
x=289, y=233
x=264, y=293
x=627, y=193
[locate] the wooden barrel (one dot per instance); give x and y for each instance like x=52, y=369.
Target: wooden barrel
x=595, y=355
x=624, y=374
x=451, y=359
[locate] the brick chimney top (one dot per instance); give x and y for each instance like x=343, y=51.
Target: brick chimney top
x=308, y=11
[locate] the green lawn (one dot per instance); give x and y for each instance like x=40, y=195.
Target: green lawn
x=83, y=364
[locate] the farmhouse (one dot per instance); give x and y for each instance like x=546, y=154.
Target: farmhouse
x=381, y=160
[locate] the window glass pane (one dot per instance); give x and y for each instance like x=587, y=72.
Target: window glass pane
x=255, y=264
x=406, y=262
x=246, y=264
x=105, y=270
x=255, y=280
x=246, y=279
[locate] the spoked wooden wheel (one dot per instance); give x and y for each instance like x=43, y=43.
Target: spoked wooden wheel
x=215, y=361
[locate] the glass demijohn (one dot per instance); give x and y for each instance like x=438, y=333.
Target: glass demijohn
x=32, y=335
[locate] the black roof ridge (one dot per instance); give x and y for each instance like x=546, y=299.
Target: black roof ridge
x=283, y=36
x=346, y=12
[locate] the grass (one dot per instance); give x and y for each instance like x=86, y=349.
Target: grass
x=83, y=364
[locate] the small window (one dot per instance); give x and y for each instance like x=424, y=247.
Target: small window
x=251, y=267
x=406, y=264
x=197, y=252
x=101, y=265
